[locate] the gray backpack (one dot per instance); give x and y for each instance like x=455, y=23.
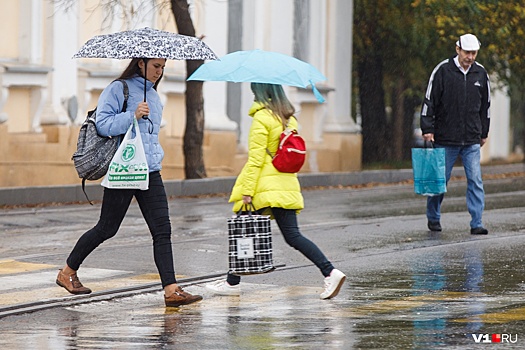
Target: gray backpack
x=94, y=152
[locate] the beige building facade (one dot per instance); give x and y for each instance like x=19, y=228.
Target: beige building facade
x=45, y=93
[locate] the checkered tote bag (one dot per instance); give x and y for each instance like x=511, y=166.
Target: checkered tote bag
x=250, y=244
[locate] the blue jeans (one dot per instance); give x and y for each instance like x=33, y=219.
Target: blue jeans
x=153, y=204
x=470, y=156
x=287, y=221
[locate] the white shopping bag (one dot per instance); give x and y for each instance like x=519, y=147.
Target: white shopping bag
x=129, y=167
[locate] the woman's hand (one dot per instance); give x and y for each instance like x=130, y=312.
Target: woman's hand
x=142, y=110
x=246, y=199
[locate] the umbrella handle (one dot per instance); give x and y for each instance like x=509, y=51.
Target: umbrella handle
x=145, y=80
x=145, y=117
x=145, y=75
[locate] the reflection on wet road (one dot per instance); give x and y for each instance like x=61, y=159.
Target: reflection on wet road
x=428, y=306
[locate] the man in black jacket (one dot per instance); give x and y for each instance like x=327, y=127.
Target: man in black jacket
x=456, y=116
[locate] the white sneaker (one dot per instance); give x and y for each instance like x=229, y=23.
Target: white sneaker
x=223, y=288
x=332, y=284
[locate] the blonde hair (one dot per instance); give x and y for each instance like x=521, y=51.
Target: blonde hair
x=272, y=96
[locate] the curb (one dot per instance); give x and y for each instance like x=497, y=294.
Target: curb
x=19, y=196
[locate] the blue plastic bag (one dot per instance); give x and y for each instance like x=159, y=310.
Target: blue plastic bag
x=428, y=165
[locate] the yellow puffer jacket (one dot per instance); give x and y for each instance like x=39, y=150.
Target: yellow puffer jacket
x=259, y=178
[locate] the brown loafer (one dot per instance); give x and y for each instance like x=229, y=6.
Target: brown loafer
x=181, y=297
x=71, y=283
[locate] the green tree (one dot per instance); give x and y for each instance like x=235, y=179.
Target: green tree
x=397, y=44
x=368, y=59
x=388, y=70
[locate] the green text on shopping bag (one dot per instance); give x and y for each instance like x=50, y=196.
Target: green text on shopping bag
x=129, y=166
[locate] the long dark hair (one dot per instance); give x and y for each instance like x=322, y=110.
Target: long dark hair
x=272, y=96
x=133, y=69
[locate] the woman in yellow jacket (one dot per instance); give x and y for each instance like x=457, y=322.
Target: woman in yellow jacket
x=273, y=192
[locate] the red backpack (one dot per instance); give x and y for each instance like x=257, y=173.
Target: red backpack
x=291, y=153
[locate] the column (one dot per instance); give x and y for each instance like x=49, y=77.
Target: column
x=301, y=30
x=498, y=143
x=31, y=25
x=215, y=31
x=235, y=35
x=339, y=67
x=61, y=39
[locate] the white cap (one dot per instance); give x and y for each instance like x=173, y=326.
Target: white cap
x=468, y=42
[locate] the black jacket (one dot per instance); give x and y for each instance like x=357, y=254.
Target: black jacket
x=456, y=107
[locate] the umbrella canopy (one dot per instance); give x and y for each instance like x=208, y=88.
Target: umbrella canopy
x=146, y=43
x=259, y=66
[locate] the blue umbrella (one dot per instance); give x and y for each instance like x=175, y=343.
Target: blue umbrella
x=260, y=66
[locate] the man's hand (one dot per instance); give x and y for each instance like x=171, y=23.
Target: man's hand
x=246, y=199
x=428, y=137
x=482, y=142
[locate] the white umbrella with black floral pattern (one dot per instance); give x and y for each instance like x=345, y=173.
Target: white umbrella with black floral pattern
x=146, y=43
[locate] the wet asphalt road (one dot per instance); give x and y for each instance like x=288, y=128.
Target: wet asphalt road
x=407, y=288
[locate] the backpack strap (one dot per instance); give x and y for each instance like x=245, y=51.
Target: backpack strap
x=126, y=94
x=293, y=116
x=84, y=190
x=124, y=107
x=285, y=126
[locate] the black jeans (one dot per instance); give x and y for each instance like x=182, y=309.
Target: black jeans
x=153, y=204
x=287, y=221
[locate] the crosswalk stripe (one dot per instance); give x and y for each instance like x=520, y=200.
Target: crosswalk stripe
x=506, y=316
x=51, y=290
x=36, y=279
x=410, y=302
x=22, y=282
x=13, y=266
